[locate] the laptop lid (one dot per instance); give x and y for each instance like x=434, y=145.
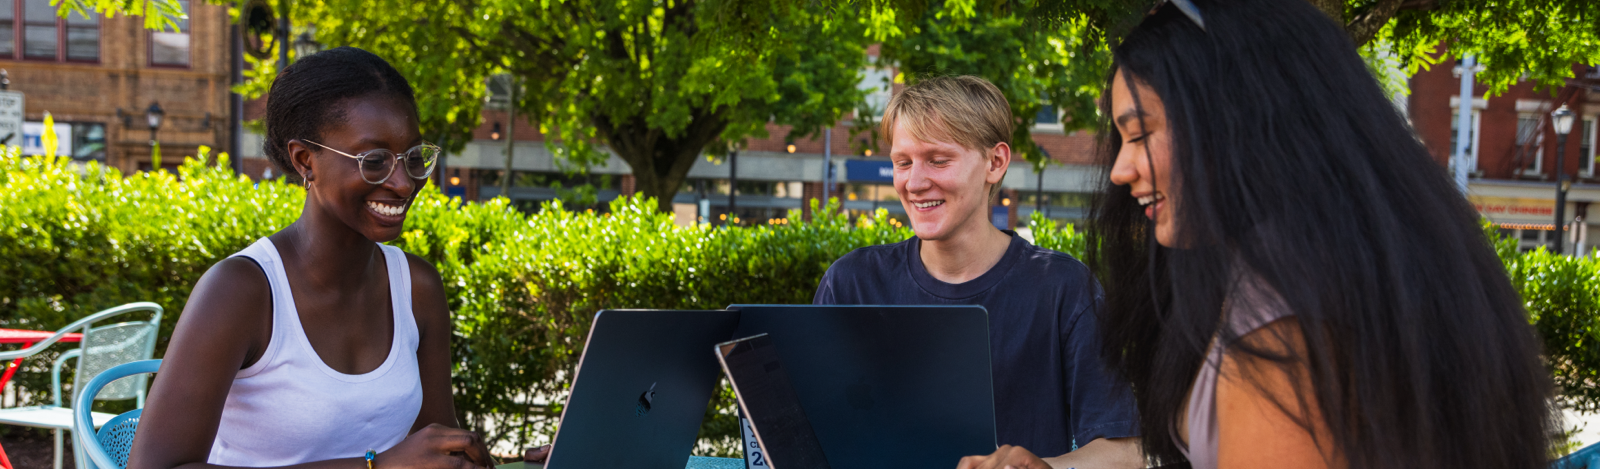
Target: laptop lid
x=784, y=436
x=886, y=386
x=641, y=389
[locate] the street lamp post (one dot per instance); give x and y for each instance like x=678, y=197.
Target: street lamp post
x=306, y=45
x=1562, y=119
x=154, y=114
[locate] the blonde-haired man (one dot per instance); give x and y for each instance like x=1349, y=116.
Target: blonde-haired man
x=950, y=143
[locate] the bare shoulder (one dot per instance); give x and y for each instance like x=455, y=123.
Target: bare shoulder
x=428, y=299
x=229, y=314
x=234, y=290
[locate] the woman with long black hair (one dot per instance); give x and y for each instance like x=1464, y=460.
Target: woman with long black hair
x=1291, y=280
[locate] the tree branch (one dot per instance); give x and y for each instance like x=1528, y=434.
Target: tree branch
x=1333, y=8
x=1366, y=25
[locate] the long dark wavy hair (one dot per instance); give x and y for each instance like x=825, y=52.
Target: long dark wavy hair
x=1292, y=169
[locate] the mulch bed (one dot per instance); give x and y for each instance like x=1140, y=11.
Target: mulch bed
x=30, y=448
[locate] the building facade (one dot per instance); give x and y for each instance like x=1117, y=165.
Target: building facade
x=99, y=76
x=1512, y=151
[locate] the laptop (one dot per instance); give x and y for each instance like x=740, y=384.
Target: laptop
x=885, y=386
x=641, y=389
x=784, y=438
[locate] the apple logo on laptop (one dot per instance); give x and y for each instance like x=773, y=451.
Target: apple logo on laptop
x=859, y=395
x=645, y=401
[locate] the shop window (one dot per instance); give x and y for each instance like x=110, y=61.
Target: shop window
x=169, y=48
x=89, y=141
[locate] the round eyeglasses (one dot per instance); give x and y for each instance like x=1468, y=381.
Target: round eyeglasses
x=378, y=164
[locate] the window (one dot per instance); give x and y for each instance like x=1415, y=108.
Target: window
x=1530, y=143
x=8, y=28
x=40, y=30
x=83, y=38
x=1586, y=148
x=171, y=48
x=89, y=141
x=876, y=82
x=1047, y=116
x=44, y=36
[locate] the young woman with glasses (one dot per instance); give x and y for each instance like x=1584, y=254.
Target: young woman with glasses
x=1291, y=279
x=318, y=347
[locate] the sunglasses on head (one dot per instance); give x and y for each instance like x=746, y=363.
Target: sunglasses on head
x=1185, y=6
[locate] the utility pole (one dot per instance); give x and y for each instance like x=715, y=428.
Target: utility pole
x=733, y=186
x=827, y=164
x=283, y=35
x=1464, y=130
x=236, y=102
x=511, y=130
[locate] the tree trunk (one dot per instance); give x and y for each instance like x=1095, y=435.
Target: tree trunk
x=1333, y=8
x=661, y=163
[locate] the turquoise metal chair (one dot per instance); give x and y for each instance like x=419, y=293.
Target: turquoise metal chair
x=108, y=447
x=101, y=348
x=1586, y=458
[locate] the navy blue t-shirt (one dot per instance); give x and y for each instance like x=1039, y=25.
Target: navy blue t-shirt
x=1052, y=392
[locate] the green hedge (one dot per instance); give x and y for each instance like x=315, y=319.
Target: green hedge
x=522, y=288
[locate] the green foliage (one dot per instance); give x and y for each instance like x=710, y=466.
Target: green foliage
x=658, y=84
x=522, y=288
x=1033, y=65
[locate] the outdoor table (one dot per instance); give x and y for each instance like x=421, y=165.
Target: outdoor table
x=695, y=462
x=27, y=339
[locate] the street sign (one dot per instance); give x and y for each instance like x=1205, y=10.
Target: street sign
x=11, y=112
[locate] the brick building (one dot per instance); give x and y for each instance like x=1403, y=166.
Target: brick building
x=98, y=76
x=1512, y=150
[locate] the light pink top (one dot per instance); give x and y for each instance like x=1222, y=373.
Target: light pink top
x=1250, y=308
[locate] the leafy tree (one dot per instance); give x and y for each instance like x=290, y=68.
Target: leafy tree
x=658, y=83
x=1035, y=65
x=661, y=83
x=1513, y=39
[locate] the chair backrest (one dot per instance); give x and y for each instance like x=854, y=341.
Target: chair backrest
x=117, y=435
x=108, y=346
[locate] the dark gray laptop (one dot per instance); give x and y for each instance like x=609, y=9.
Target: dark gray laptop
x=885, y=386
x=641, y=389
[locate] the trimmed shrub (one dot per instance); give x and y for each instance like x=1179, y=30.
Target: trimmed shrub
x=523, y=288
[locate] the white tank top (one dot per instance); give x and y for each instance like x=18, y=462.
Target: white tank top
x=291, y=408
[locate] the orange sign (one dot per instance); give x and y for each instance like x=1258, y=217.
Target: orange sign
x=1491, y=206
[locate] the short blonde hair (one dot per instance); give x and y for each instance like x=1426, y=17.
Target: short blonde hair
x=966, y=110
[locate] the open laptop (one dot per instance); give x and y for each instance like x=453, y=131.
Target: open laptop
x=641, y=389
x=784, y=438
x=886, y=386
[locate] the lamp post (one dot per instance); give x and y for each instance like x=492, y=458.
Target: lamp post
x=154, y=114
x=511, y=130
x=306, y=45
x=1562, y=119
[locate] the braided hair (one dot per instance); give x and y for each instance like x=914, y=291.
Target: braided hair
x=313, y=93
